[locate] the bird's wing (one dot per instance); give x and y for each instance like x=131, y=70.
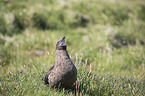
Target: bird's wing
x=51, y=68
x=47, y=74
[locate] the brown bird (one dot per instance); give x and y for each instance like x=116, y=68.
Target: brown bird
x=63, y=73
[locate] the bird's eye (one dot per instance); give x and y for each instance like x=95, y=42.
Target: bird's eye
x=58, y=42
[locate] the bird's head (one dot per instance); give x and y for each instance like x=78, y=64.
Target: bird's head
x=61, y=44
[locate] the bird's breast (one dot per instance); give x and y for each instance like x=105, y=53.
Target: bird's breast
x=63, y=62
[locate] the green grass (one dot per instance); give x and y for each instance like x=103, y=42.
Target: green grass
x=106, y=42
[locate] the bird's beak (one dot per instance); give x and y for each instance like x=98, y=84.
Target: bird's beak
x=63, y=42
x=63, y=38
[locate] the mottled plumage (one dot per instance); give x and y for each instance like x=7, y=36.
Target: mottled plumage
x=64, y=72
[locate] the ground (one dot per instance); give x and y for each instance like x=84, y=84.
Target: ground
x=105, y=38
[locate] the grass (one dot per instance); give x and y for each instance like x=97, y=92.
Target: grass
x=106, y=42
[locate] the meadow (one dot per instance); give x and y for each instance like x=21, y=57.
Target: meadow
x=105, y=38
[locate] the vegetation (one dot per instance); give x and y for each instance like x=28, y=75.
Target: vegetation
x=106, y=42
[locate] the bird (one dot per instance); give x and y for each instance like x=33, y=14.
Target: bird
x=63, y=73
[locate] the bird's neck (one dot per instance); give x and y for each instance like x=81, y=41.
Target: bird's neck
x=61, y=57
x=61, y=48
x=61, y=53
